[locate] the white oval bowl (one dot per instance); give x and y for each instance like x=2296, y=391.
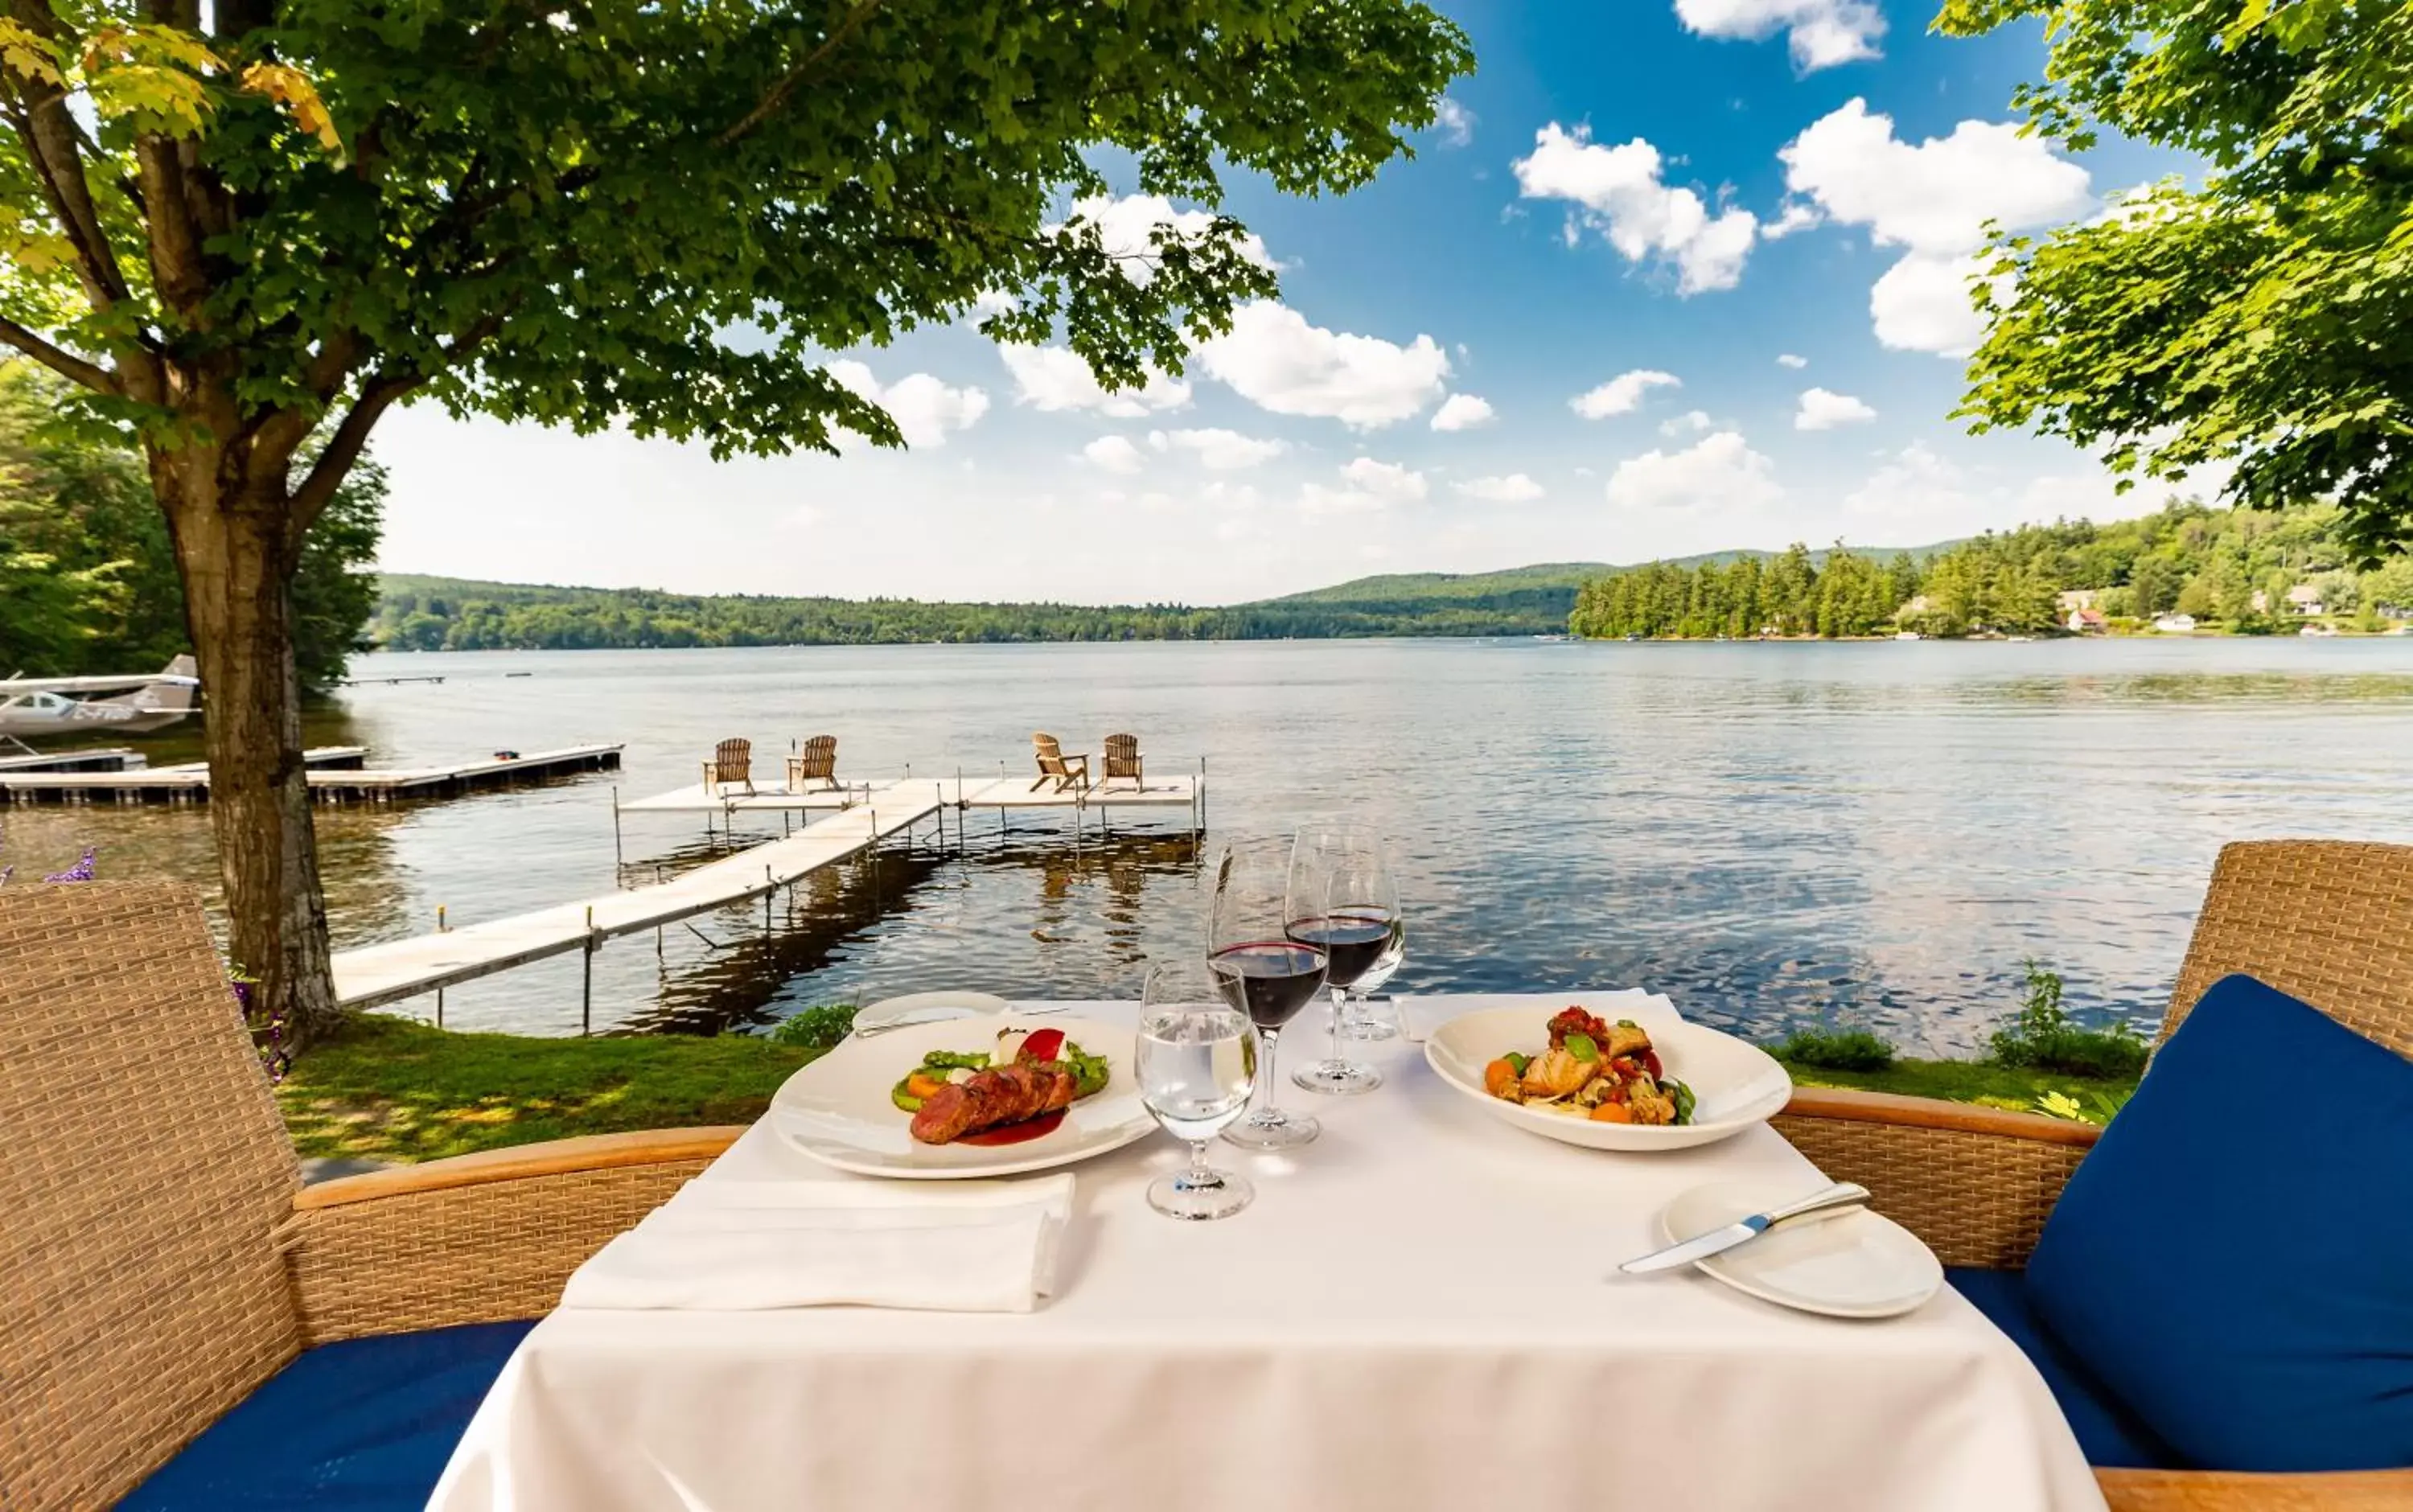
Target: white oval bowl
x=1735, y=1083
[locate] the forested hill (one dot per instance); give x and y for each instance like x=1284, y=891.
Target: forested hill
x=430, y=614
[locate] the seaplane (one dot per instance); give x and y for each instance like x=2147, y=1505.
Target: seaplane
x=58, y=705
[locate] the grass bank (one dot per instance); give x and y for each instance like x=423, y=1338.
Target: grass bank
x=391, y=1090
x=1973, y=1081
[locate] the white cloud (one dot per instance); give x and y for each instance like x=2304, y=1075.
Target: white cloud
x=1220, y=449
x=1127, y=228
x=1786, y=359
x=1455, y=122
x=1274, y=359
x=1516, y=488
x=1054, y=379
x=1622, y=195
x=1797, y=215
x=923, y=408
x=1923, y=303
x=1719, y=471
x=1933, y=200
x=1462, y=412
x=1823, y=409
x=1366, y=486
x=1621, y=394
x=1114, y=453
x=1388, y=481
x=1821, y=33
x=1690, y=422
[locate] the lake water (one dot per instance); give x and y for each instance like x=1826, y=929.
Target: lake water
x=1873, y=833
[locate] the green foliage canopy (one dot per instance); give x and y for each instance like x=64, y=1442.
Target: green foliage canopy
x=2264, y=318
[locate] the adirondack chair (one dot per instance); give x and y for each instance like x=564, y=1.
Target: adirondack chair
x=1071, y=772
x=2329, y=922
x=1122, y=760
x=731, y=764
x=815, y=766
x=183, y=1323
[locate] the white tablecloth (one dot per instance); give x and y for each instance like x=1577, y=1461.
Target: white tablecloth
x=1417, y=1313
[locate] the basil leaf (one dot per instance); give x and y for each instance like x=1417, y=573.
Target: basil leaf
x=1582, y=1047
x=1518, y=1063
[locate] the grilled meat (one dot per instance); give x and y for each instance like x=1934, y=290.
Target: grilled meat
x=995, y=1097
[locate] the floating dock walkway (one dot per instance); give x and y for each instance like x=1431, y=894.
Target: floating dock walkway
x=399, y=969
x=857, y=818
x=336, y=776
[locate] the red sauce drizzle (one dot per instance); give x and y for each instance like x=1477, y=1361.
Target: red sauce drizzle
x=1014, y=1133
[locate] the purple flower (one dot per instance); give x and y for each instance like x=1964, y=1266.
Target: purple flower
x=80, y=871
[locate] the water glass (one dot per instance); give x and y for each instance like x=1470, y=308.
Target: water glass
x=1197, y=1058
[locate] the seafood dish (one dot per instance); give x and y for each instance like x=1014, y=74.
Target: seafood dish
x=1593, y=1069
x=1028, y=1075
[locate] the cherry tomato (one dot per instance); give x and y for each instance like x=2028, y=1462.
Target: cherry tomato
x=1047, y=1044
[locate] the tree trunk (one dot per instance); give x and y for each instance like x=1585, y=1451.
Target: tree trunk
x=234, y=550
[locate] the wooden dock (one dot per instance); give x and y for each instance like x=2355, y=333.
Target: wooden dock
x=399, y=969
x=329, y=782
x=1183, y=791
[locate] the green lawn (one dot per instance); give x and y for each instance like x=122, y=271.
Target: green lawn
x=391, y=1090
x=1971, y=1081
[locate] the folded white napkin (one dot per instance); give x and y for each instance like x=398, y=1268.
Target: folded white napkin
x=740, y=1246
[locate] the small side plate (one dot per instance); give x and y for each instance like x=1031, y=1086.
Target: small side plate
x=1855, y=1264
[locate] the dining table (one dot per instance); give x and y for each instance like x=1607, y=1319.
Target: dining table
x=1421, y=1309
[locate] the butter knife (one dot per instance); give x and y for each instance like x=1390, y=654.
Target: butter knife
x=1742, y=1231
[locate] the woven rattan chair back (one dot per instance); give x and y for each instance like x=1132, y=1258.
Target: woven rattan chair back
x=818, y=762
x=732, y=760
x=2327, y=920
x=142, y=1166
x=1122, y=757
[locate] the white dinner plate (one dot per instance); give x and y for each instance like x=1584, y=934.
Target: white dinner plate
x=837, y=1110
x=1735, y=1083
x=927, y=1005
x=1853, y=1264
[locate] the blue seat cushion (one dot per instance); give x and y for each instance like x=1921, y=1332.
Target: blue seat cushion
x=363, y=1425
x=2109, y=1433
x=2233, y=1261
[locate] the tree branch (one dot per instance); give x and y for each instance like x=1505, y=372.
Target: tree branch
x=777, y=94
x=335, y=460
x=52, y=142
x=58, y=359
x=176, y=266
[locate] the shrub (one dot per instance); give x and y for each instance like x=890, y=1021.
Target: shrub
x=2043, y=1037
x=816, y=1029
x=1837, y=1049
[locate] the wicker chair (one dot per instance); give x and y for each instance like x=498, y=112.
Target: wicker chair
x=733, y=763
x=1057, y=767
x=163, y=1259
x=1122, y=762
x=2327, y=922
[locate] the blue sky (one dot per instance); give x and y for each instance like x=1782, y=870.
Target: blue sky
x=1674, y=275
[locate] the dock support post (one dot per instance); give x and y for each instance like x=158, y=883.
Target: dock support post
x=617, y=859
x=440, y=928
x=586, y=982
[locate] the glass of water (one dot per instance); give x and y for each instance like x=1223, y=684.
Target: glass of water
x=1197, y=1063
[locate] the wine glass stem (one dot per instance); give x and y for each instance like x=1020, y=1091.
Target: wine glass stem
x=1339, y=1007
x=1200, y=1175
x=1267, y=1082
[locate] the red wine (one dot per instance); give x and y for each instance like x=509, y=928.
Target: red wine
x=1353, y=942
x=1270, y=981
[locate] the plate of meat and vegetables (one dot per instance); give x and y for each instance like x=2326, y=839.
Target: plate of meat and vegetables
x=1610, y=1084
x=969, y=1097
